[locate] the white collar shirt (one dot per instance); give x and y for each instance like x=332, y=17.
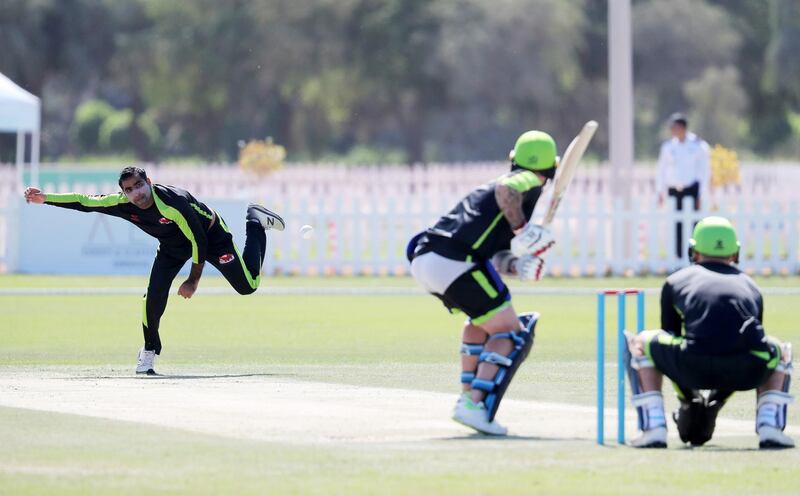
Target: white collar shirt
x=682, y=163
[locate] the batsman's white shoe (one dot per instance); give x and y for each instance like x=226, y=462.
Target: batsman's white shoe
x=267, y=218
x=476, y=417
x=147, y=362
x=773, y=438
x=651, y=438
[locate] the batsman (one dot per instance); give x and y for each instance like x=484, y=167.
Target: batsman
x=459, y=259
x=711, y=343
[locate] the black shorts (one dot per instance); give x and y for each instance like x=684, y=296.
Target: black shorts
x=734, y=372
x=479, y=293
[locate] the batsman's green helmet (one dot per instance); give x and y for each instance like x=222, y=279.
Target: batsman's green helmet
x=535, y=150
x=714, y=237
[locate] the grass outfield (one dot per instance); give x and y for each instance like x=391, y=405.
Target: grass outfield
x=212, y=279
x=404, y=341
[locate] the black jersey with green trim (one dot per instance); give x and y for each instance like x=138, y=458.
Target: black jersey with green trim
x=476, y=224
x=177, y=219
x=719, y=307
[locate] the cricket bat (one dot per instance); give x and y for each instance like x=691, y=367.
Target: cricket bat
x=567, y=167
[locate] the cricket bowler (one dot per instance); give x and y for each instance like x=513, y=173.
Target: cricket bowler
x=711, y=343
x=186, y=229
x=458, y=260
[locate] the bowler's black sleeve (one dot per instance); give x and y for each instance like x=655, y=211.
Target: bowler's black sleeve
x=104, y=204
x=671, y=319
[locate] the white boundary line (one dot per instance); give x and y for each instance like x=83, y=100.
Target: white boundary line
x=334, y=290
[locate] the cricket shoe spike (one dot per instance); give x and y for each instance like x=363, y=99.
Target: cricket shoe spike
x=476, y=416
x=773, y=438
x=146, y=362
x=652, y=438
x=267, y=218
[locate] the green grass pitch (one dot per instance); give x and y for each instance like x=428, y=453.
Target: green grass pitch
x=402, y=341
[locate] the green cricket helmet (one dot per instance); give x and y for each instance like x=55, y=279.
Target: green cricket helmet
x=714, y=237
x=534, y=150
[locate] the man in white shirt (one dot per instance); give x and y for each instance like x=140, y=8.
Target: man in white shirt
x=683, y=170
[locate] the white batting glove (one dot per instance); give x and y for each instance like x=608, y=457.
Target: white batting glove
x=532, y=240
x=530, y=268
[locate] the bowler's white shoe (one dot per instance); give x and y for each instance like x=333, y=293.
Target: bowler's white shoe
x=476, y=416
x=267, y=218
x=651, y=438
x=147, y=362
x=773, y=438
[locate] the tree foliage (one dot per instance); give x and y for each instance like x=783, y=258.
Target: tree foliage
x=367, y=79
x=718, y=105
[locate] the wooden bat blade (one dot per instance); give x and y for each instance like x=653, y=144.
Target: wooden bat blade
x=567, y=167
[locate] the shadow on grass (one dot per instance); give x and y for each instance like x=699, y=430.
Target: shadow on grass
x=721, y=449
x=180, y=376
x=476, y=437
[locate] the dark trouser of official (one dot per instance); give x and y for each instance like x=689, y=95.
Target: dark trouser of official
x=693, y=192
x=242, y=271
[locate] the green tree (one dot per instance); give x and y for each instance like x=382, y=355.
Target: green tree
x=674, y=42
x=439, y=79
x=187, y=66
x=306, y=77
x=57, y=50
x=115, y=132
x=767, y=109
x=718, y=104
x=781, y=81
x=783, y=63
x=512, y=66
x=89, y=116
x=393, y=44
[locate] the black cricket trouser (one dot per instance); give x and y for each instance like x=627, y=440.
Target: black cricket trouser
x=689, y=370
x=693, y=192
x=242, y=271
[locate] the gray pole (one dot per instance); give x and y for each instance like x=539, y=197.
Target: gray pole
x=620, y=117
x=620, y=98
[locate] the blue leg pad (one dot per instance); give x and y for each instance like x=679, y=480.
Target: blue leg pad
x=636, y=386
x=467, y=376
x=523, y=342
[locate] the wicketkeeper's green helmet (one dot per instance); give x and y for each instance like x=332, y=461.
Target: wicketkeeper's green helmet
x=535, y=150
x=714, y=237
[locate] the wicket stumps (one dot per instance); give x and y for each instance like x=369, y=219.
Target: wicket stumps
x=601, y=355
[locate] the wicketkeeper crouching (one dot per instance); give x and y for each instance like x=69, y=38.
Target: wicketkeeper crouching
x=458, y=260
x=723, y=348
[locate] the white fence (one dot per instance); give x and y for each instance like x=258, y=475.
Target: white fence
x=367, y=238
x=364, y=217
x=593, y=238
x=759, y=181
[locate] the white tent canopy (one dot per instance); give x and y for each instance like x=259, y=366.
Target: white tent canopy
x=19, y=110
x=20, y=113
